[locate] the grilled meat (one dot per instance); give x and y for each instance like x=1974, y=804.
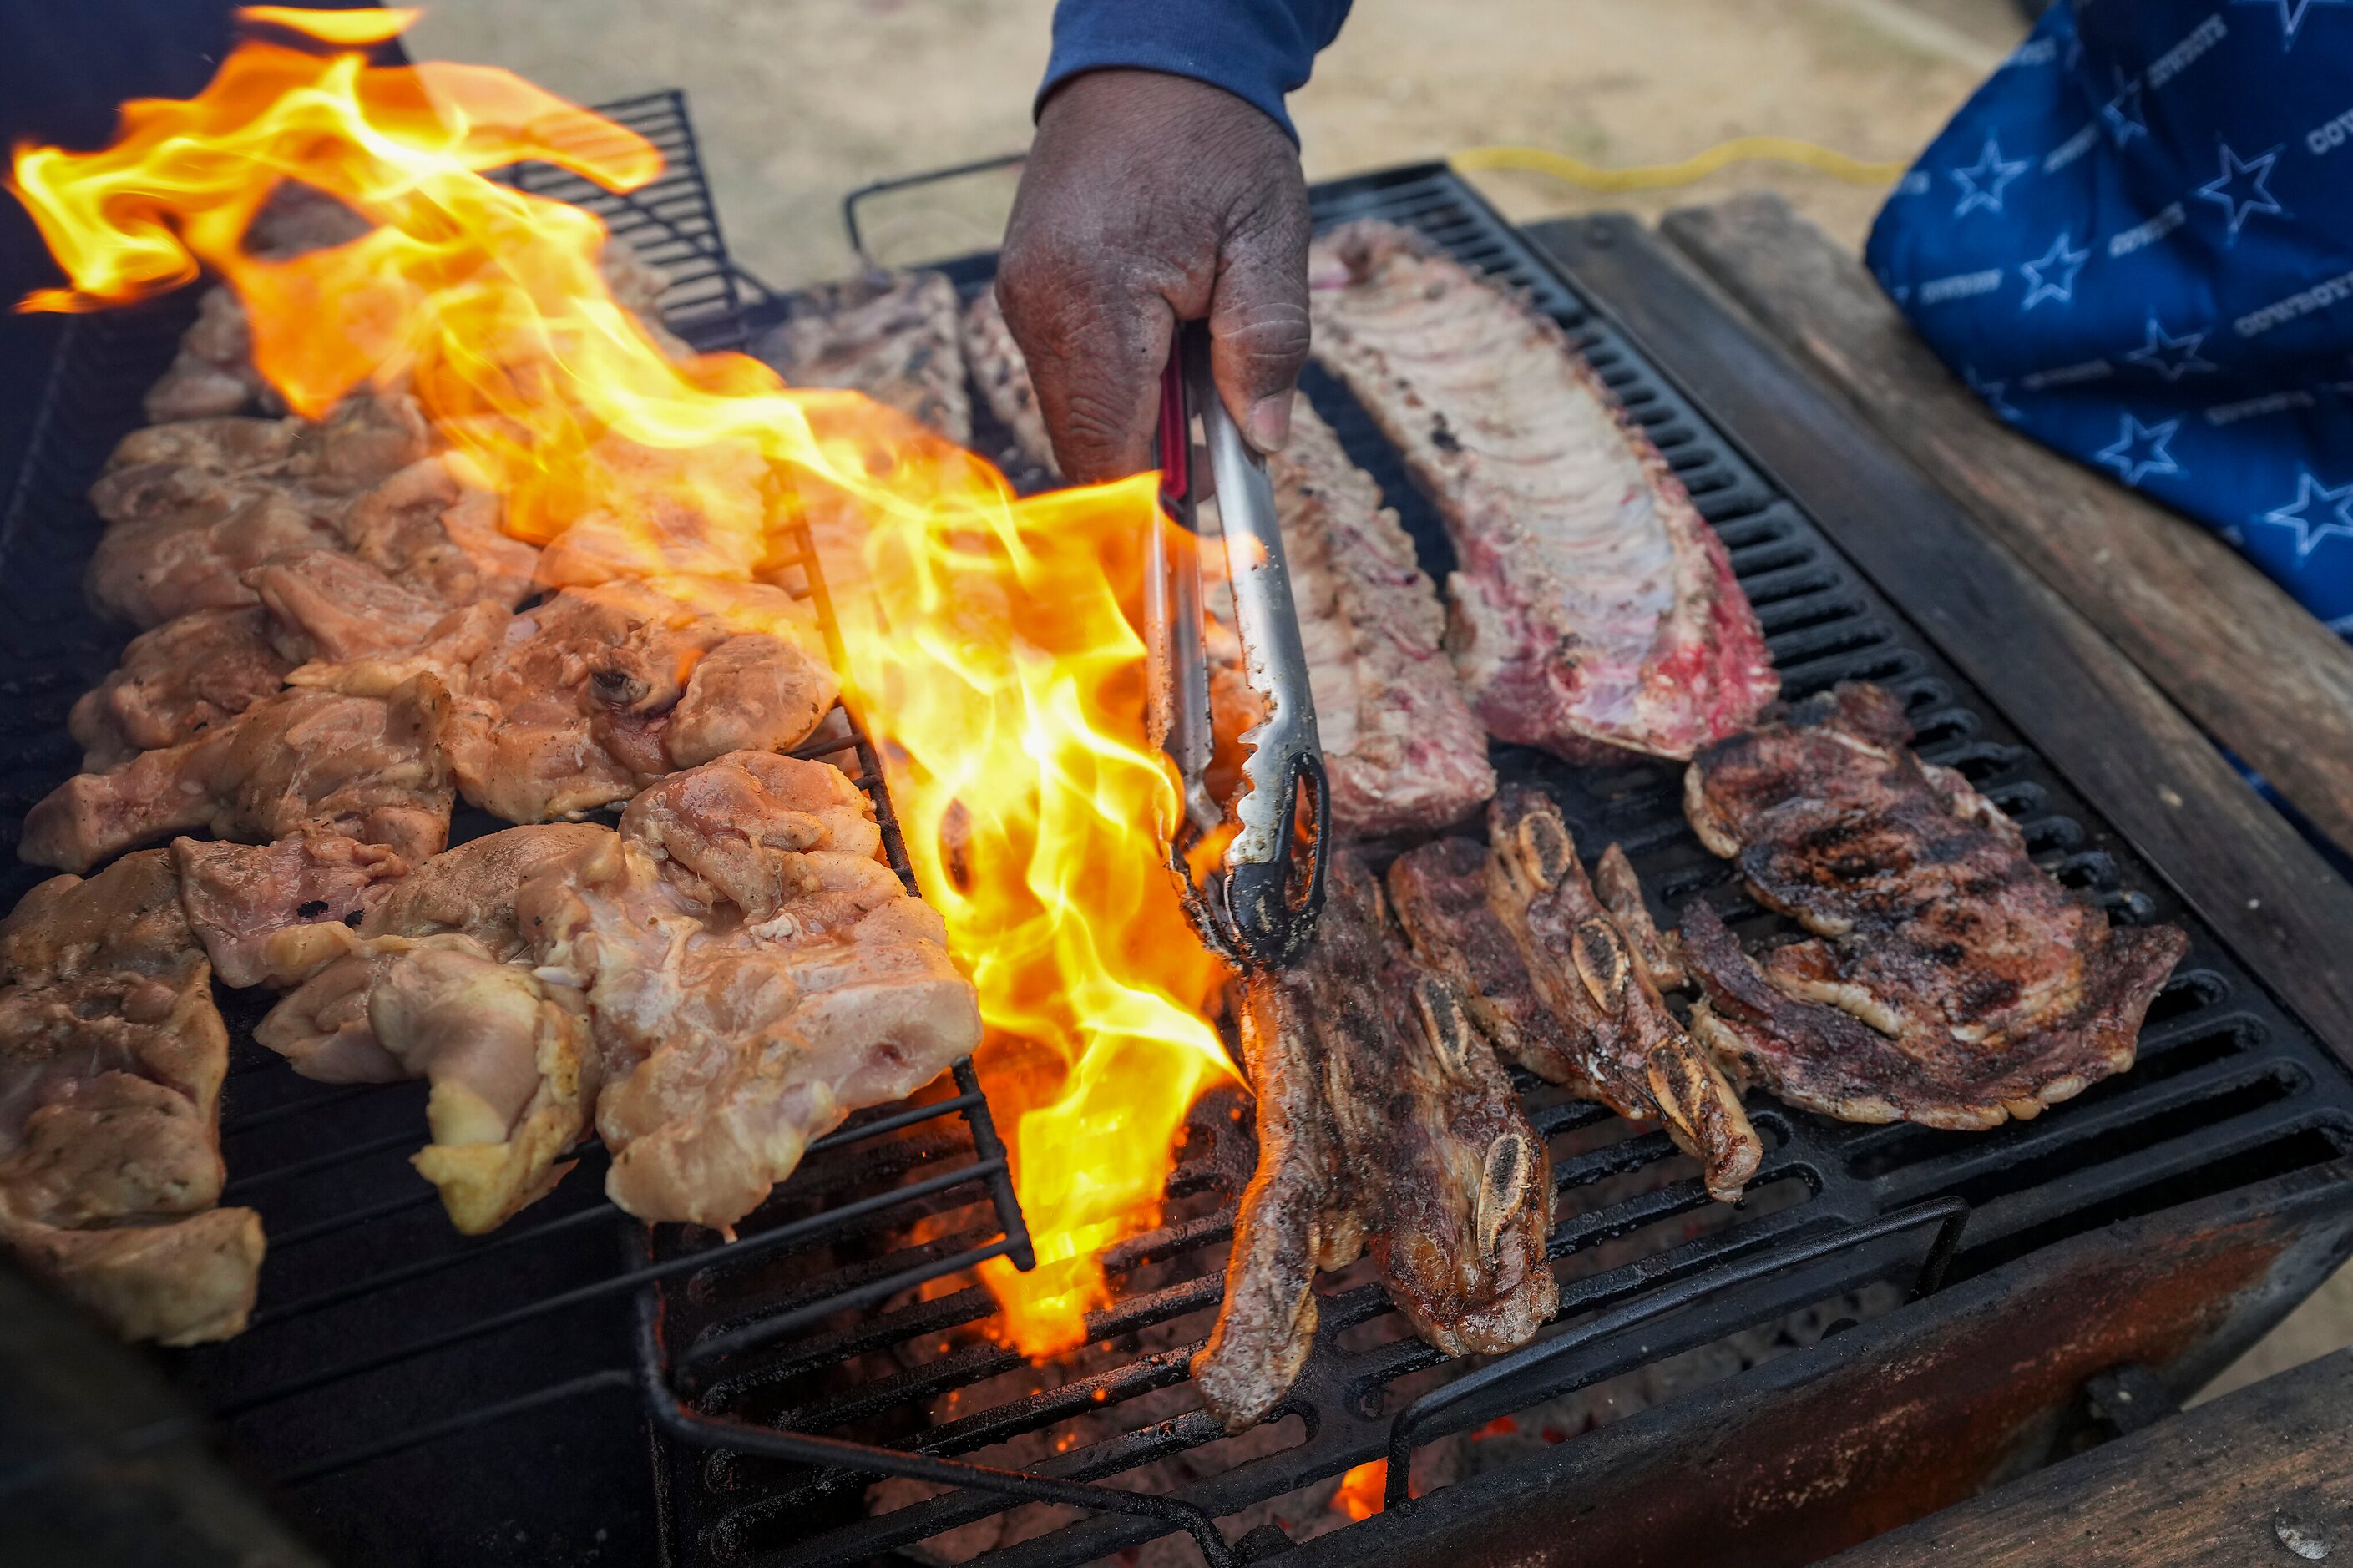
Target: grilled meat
x=505, y=1052
x=1403, y=753
x=1951, y=982
x=1383, y=1118
x=470, y=889
x=1634, y=1057
x=893, y=337
x=1558, y=984
x=238, y=897
x=357, y=630
x=1440, y=892
x=1594, y=608
x=178, y=681
x=358, y=767
x=599, y=690
x=112, y=1056
x=1003, y=377
x=1654, y=954
x=425, y=528
x=729, y=1037
x=192, y=507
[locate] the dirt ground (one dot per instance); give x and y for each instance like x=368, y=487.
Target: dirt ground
x=799, y=101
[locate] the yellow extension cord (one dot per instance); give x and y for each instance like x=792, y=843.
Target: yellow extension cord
x=1652, y=177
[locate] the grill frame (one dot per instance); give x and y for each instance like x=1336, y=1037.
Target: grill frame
x=2232, y=1050
x=1862, y=1179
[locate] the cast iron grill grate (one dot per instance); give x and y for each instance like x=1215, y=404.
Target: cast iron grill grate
x=379, y=1329
x=2229, y=1089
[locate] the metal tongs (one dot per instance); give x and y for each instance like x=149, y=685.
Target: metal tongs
x=1257, y=905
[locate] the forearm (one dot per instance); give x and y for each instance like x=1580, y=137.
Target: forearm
x=1259, y=50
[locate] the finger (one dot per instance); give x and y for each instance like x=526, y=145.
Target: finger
x=1258, y=318
x=1095, y=345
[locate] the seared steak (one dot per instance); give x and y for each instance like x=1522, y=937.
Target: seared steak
x=1594, y=606
x=1383, y=1118
x=1952, y=982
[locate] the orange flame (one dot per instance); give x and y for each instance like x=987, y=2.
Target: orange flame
x=1364, y=1491
x=986, y=638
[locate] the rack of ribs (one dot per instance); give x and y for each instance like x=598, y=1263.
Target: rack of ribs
x=893, y=336
x=1562, y=986
x=1383, y=1119
x=1949, y=981
x=1594, y=609
x=112, y=1056
x=1403, y=751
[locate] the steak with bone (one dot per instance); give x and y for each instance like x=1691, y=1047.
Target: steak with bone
x=1949, y=982
x=1594, y=608
x=1560, y=987
x=1383, y=1119
x=893, y=337
x=304, y=761
x=112, y=1056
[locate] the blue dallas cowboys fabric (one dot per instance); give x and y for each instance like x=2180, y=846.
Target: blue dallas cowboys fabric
x=2136, y=243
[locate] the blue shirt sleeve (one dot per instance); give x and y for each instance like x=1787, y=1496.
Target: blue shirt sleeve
x=1258, y=50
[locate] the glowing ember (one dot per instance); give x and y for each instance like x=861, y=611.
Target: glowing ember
x=986, y=638
x=1362, y=1489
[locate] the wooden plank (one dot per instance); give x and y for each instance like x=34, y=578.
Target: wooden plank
x=2226, y=642
x=2264, y=890
x=2217, y=1487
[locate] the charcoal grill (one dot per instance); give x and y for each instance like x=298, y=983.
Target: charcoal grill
x=577, y=1388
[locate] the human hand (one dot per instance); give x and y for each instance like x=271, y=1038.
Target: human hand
x=1150, y=199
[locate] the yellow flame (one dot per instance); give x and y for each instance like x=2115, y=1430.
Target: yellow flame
x=987, y=639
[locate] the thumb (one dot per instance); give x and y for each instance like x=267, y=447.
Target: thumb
x=1258, y=324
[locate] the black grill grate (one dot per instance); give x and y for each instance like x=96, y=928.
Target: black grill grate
x=379, y=1329
x=2229, y=1089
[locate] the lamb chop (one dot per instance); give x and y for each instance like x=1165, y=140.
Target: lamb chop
x=1594, y=610
x=112, y=1056
x=505, y=1052
x=304, y=761
x=1383, y=1118
x=1950, y=983
x=1638, y=1060
x=600, y=690
x=890, y=336
x=1003, y=377
x=175, y=682
x=1557, y=982
x=1403, y=751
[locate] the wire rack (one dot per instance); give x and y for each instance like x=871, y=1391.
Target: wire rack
x=2230, y=1089
x=379, y=1332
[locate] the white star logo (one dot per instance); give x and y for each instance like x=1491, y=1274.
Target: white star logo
x=2337, y=518
x=2291, y=14
x=2240, y=175
x=2139, y=449
x=2053, y=277
x=1992, y=391
x=2170, y=356
x=1983, y=183
x=2122, y=111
